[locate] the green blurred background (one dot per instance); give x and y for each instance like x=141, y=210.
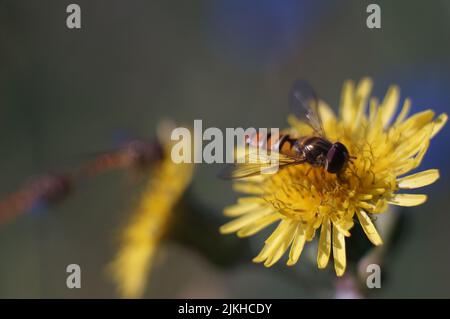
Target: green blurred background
x=65, y=93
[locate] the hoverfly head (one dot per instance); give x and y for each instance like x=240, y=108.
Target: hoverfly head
x=337, y=158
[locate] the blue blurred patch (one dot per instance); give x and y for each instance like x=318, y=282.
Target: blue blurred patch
x=428, y=88
x=259, y=33
x=38, y=208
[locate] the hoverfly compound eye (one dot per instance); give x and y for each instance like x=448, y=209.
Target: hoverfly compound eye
x=337, y=158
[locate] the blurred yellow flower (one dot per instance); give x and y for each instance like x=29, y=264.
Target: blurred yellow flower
x=304, y=198
x=148, y=224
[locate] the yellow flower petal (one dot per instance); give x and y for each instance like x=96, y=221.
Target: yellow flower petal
x=404, y=112
x=335, y=221
x=369, y=228
x=323, y=254
x=408, y=199
x=297, y=246
x=410, y=126
x=409, y=147
x=439, y=124
x=280, y=247
x=261, y=256
x=248, y=188
x=389, y=105
x=299, y=126
x=327, y=115
x=373, y=109
x=258, y=225
x=340, y=261
x=245, y=220
x=240, y=209
x=250, y=199
x=275, y=242
x=419, y=179
x=347, y=111
x=360, y=102
x=405, y=167
x=363, y=90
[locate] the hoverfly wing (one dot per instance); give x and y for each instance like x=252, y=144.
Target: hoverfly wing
x=304, y=103
x=254, y=164
x=235, y=171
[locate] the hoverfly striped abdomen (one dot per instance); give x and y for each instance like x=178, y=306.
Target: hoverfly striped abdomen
x=279, y=142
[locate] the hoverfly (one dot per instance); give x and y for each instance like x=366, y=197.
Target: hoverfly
x=36, y=194
x=49, y=189
x=314, y=149
x=134, y=154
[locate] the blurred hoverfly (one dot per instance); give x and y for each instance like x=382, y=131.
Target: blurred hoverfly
x=49, y=189
x=35, y=195
x=132, y=154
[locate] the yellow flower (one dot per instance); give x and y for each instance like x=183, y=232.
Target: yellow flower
x=148, y=224
x=303, y=199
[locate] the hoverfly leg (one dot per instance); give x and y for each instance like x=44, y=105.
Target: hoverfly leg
x=308, y=171
x=341, y=178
